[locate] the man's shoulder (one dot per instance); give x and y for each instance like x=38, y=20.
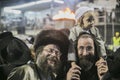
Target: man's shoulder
x=24, y=68
x=28, y=66
x=25, y=72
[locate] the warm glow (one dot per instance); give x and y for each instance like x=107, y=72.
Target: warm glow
x=66, y=14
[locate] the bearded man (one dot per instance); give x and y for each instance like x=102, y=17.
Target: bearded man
x=51, y=55
x=89, y=66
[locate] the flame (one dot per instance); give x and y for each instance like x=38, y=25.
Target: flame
x=66, y=14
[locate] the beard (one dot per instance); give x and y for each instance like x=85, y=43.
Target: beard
x=49, y=64
x=53, y=63
x=87, y=62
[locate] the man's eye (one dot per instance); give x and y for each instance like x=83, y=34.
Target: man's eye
x=89, y=48
x=81, y=48
x=51, y=50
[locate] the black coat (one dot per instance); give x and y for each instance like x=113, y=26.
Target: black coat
x=89, y=75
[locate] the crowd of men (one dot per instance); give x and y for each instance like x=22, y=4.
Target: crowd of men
x=49, y=58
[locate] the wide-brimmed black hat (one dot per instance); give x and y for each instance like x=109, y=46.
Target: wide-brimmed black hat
x=13, y=50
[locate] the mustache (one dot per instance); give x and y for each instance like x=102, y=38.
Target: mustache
x=87, y=57
x=52, y=58
x=86, y=62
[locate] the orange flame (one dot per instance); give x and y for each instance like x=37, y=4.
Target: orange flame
x=66, y=14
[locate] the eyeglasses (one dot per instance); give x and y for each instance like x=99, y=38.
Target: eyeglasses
x=51, y=51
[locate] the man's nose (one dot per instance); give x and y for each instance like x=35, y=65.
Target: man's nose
x=85, y=52
x=54, y=53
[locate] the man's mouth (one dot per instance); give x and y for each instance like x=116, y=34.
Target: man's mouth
x=52, y=61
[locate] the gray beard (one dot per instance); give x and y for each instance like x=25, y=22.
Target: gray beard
x=46, y=68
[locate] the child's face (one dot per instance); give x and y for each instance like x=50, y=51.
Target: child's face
x=88, y=20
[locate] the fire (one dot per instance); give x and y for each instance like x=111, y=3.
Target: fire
x=66, y=14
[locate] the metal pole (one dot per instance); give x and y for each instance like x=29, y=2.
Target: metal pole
x=113, y=18
x=51, y=7
x=0, y=10
x=113, y=28
x=105, y=27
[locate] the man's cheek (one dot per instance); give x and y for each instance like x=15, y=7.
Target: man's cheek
x=43, y=59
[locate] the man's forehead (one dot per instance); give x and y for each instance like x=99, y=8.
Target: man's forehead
x=84, y=36
x=85, y=40
x=51, y=46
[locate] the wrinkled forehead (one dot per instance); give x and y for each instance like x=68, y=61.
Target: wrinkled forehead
x=85, y=36
x=87, y=40
x=53, y=46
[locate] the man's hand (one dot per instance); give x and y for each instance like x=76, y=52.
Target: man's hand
x=102, y=67
x=74, y=73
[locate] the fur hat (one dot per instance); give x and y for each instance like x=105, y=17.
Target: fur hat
x=81, y=11
x=52, y=37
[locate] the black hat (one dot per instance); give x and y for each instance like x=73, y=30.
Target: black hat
x=52, y=37
x=5, y=34
x=13, y=50
x=113, y=61
x=5, y=38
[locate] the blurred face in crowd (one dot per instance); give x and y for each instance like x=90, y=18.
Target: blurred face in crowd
x=87, y=20
x=117, y=34
x=49, y=58
x=86, y=53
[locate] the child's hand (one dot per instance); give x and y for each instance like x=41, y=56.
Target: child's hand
x=74, y=73
x=102, y=67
